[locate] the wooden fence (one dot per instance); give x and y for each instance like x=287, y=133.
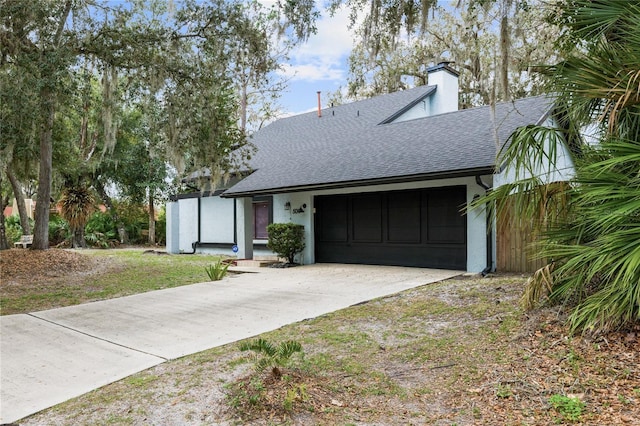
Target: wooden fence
x=516, y=240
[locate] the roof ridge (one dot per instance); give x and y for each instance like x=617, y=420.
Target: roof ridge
x=475, y=108
x=377, y=98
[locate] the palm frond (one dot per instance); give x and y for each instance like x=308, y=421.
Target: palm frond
x=77, y=204
x=288, y=348
x=538, y=287
x=594, y=237
x=260, y=346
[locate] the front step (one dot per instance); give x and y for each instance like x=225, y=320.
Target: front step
x=254, y=263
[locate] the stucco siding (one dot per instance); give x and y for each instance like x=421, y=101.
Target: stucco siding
x=297, y=214
x=188, y=228
x=217, y=221
x=476, y=220
x=562, y=170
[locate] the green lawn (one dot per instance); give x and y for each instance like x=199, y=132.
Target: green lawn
x=91, y=275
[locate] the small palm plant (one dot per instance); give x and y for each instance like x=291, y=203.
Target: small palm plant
x=76, y=206
x=268, y=355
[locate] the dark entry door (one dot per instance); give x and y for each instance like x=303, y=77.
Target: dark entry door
x=260, y=220
x=411, y=228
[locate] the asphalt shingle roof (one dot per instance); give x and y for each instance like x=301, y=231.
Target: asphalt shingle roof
x=348, y=145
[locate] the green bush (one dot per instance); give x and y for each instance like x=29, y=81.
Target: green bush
x=271, y=356
x=161, y=227
x=13, y=229
x=135, y=218
x=101, y=230
x=286, y=239
x=58, y=230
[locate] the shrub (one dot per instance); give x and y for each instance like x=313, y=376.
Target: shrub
x=101, y=230
x=161, y=227
x=135, y=218
x=274, y=394
x=13, y=229
x=286, y=239
x=58, y=230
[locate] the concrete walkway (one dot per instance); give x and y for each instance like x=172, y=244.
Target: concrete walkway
x=51, y=356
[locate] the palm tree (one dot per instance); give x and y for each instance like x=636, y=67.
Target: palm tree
x=268, y=355
x=591, y=227
x=76, y=207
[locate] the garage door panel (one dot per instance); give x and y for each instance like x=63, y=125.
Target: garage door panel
x=446, y=223
x=404, y=217
x=366, y=220
x=412, y=228
x=432, y=257
x=334, y=224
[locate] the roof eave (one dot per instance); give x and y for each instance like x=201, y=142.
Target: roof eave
x=478, y=171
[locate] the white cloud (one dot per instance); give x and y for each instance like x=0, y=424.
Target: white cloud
x=316, y=71
x=323, y=56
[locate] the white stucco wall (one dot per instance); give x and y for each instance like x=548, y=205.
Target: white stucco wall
x=445, y=99
x=188, y=223
x=476, y=220
x=217, y=225
x=419, y=110
x=173, y=227
x=563, y=170
x=244, y=231
x=295, y=215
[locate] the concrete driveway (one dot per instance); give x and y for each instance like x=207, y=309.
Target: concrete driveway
x=51, y=356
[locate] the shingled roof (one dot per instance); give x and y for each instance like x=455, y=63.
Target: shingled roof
x=351, y=145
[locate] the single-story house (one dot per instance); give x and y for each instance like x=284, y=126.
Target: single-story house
x=377, y=181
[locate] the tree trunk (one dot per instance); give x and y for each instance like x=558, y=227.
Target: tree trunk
x=77, y=238
x=152, y=219
x=243, y=107
x=41, y=231
x=504, y=53
x=22, y=205
x=4, y=201
x=48, y=104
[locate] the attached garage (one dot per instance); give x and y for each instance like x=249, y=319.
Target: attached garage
x=423, y=228
x=382, y=180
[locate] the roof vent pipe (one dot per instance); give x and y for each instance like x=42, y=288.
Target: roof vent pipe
x=319, y=105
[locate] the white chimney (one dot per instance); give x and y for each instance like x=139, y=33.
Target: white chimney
x=445, y=99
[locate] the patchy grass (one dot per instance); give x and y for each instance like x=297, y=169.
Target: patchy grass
x=36, y=280
x=456, y=352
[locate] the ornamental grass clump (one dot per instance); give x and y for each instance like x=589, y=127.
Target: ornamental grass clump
x=217, y=271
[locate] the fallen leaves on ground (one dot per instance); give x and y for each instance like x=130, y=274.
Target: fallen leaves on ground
x=33, y=280
x=25, y=266
x=602, y=372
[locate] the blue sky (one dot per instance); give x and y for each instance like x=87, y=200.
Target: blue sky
x=318, y=65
